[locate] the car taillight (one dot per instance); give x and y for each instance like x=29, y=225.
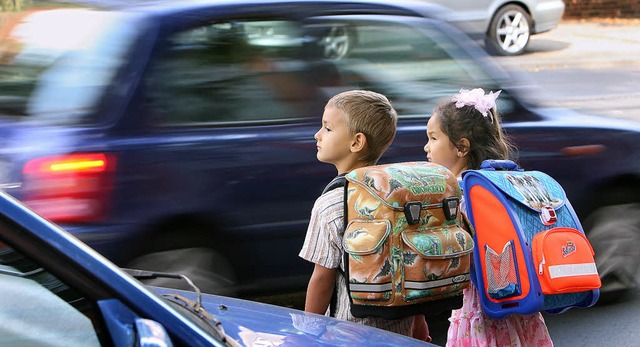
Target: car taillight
x=69, y=188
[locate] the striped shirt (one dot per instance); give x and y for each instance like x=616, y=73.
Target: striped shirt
x=323, y=246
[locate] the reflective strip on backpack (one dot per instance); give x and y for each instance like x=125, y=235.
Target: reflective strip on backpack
x=370, y=287
x=437, y=283
x=570, y=270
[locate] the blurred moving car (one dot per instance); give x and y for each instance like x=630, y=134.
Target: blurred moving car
x=57, y=291
x=178, y=136
x=506, y=25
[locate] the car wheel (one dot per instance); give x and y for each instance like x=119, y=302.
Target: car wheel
x=208, y=270
x=337, y=43
x=614, y=233
x=509, y=31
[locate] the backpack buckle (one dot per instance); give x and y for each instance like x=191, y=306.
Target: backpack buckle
x=548, y=215
x=412, y=212
x=450, y=207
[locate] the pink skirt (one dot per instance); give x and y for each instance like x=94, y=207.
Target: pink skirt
x=470, y=327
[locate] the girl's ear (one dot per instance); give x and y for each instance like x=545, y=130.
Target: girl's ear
x=463, y=147
x=358, y=143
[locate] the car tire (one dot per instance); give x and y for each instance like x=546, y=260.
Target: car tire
x=207, y=269
x=338, y=42
x=509, y=31
x=614, y=234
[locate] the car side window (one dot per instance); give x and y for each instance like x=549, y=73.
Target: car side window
x=38, y=309
x=413, y=63
x=229, y=72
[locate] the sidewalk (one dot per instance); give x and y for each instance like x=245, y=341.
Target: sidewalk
x=585, y=43
x=588, y=65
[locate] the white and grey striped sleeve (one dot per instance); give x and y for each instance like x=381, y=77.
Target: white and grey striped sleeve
x=323, y=242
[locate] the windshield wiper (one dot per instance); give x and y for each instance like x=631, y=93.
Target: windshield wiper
x=148, y=275
x=194, y=307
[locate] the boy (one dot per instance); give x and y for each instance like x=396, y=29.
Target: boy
x=357, y=127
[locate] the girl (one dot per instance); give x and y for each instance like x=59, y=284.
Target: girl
x=461, y=133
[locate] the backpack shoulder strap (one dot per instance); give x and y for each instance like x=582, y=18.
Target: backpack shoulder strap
x=336, y=182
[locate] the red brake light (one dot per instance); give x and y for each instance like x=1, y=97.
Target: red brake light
x=69, y=188
x=69, y=163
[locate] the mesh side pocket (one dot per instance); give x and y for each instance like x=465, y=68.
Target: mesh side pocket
x=502, y=277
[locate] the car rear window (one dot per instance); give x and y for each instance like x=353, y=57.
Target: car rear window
x=54, y=64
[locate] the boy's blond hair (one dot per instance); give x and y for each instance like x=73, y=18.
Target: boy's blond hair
x=369, y=113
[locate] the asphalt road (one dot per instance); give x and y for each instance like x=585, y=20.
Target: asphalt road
x=613, y=324
x=592, y=66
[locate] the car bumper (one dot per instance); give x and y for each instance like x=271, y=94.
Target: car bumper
x=547, y=15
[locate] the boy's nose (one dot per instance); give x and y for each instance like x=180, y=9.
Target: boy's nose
x=317, y=135
x=426, y=148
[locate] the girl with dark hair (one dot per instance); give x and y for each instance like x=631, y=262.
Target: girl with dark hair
x=461, y=133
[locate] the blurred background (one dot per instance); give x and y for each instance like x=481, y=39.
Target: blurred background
x=178, y=136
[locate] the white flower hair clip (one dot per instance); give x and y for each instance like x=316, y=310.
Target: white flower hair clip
x=476, y=98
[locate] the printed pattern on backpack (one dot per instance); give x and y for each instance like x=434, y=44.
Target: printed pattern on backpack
x=403, y=241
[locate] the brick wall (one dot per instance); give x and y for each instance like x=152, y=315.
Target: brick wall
x=602, y=9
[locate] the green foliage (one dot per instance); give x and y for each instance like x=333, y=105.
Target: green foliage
x=14, y=5
x=21, y=5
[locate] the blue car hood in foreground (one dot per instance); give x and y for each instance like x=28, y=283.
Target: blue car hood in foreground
x=257, y=324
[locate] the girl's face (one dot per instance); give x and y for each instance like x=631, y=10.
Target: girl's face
x=440, y=149
x=333, y=139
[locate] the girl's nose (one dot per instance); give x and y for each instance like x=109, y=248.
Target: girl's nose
x=317, y=135
x=426, y=148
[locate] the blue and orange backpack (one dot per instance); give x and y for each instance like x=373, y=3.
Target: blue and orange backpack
x=531, y=253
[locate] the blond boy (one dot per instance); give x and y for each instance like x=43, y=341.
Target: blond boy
x=357, y=127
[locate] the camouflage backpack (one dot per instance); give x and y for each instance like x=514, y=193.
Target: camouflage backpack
x=405, y=252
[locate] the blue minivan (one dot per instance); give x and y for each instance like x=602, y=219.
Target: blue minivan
x=178, y=136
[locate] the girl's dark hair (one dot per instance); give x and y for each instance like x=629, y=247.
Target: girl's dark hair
x=485, y=134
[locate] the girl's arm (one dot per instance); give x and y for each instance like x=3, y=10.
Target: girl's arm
x=320, y=289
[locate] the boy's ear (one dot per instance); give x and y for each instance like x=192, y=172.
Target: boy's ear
x=463, y=147
x=358, y=143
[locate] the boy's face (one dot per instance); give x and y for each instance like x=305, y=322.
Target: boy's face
x=439, y=148
x=333, y=138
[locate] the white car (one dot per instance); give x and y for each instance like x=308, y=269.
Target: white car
x=506, y=25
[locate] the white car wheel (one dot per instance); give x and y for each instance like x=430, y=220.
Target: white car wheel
x=509, y=31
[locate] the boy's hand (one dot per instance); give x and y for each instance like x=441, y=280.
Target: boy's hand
x=320, y=289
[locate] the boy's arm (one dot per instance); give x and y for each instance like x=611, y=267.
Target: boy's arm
x=320, y=289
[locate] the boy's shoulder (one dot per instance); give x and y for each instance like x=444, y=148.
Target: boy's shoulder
x=330, y=203
x=331, y=197
x=337, y=182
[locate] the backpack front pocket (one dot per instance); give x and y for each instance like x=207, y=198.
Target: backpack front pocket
x=366, y=243
x=564, y=258
x=436, y=262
